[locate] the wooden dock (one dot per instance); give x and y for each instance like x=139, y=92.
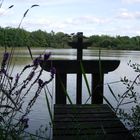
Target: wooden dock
x=87, y=122
x=84, y=122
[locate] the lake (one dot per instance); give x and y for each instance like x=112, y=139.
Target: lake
x=39, y=115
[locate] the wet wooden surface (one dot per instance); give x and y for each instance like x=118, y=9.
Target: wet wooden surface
x=87, y=122
x=94, y=67
x=73, y=66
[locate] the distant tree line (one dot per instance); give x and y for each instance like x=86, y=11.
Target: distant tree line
x=21, y=38
x=117, y=42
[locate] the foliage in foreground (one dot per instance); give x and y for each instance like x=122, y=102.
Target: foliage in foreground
x=14, y=90
x=131, y=98
x=132, y=94
x=16, y=87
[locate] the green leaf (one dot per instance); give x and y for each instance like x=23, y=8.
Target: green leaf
x=85, y=78
x=34, y=5
x=24, y=15
x=9, y=97
x=30, y=52
x=108, y=103
x=65, y=92
x=112, y=92
x=100, y=65
x=10, y=6
x=48, y=105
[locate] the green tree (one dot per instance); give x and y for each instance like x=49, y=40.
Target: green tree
x=37, y=39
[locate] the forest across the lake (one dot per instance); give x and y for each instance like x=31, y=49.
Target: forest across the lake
x=21, y=38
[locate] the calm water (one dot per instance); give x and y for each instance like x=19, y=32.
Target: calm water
x=39, y=115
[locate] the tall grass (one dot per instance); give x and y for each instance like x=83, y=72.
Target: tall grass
x=131, y=98
x=14, y=89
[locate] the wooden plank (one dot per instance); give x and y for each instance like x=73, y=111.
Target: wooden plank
x=91, y=131
x=94, y=137
x=86, y=115
x=87, y=125
x=97, y=88
x=80, y=109
x=73, y=66
x=87, y=122
x=85, y=106
x=86, y=119
x=60, y=96
x=79, y=89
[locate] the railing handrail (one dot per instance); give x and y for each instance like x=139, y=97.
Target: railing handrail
x=64, y=67
x=96, y=67
x=73, y=66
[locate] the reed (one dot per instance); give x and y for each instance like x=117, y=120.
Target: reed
x=14, y=89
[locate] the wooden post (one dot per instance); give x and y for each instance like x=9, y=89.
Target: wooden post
x=63, y=67
x=60, y=87
x=97, y=89
x=79, y=46
x=79, y=89
x=79, y=76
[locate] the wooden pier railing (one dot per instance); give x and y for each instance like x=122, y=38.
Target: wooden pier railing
x=64, y=67
x=84, y=122
x=97, y=68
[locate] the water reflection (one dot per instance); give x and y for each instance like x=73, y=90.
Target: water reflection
x=23, y=57
x=39, y=115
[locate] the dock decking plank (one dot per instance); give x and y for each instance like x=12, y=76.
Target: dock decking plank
x=87, y=122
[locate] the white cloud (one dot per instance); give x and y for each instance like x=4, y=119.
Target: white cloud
x=41, y=1
x=129, y=30
x=84, y=23
x=131, y=1
x=47, y=24
x=120, y=30
x=86, y=20
x=2, y=11
x=125, y=14
x=53, y=2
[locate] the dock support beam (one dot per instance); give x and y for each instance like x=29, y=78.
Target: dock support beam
x=60, y=87
x=97, y=89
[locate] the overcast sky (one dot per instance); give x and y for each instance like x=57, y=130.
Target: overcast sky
x=110, y=17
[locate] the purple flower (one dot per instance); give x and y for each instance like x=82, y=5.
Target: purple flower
x=17, y=78
x=31, y=75
x=36, y=61
x=47, y=56
x=52, y=71
x=40, y=82
x=3, y=71
x=24, y=122
x=5, y=58
x=26, y=67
